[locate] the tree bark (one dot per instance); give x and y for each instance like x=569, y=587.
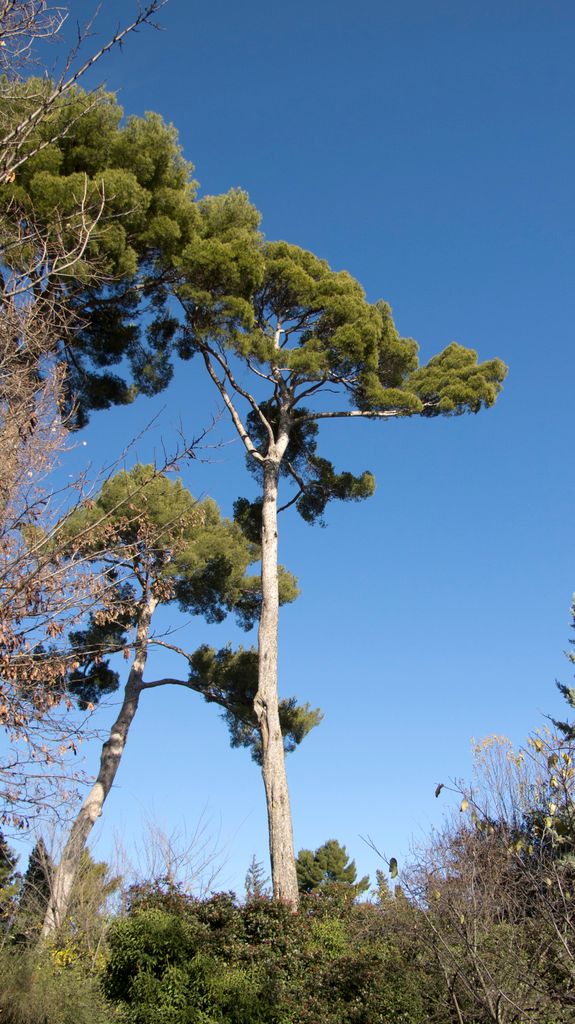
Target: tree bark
x=282, y=857
x=64, y=877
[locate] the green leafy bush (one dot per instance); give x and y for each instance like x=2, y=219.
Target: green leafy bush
x=177, y=960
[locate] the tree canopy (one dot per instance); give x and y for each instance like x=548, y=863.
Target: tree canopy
x=102, y=199
x=143, y=528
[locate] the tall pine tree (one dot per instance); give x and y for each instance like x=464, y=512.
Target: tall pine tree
x=316, y=350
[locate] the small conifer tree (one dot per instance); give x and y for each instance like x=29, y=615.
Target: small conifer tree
x=329, y=865
x=35, y=894
x=256, y=883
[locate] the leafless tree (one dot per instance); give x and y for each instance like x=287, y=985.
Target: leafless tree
x=190, y=860
x=496, y=886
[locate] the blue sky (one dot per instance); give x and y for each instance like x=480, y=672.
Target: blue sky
x=428, y=149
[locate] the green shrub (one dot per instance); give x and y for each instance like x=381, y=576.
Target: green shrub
x=42, y=987
x=176, y=960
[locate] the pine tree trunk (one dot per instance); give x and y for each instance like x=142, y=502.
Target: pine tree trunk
x=282, y=858
x=91, y=809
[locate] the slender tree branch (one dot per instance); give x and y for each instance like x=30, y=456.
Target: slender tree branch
x=171, y=647
x=212, y=696
x=308, y=391
x=248, y=443
x=258, y=373
x=239, y=390
x=289, y=504
x=299, y=481
x=169, y=681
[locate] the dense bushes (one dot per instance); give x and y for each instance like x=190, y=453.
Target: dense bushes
x=176, y=960
x=481, y=930
x=460, y=948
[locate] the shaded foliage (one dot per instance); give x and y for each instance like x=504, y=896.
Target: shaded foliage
x=229, y=678
x=316, y=477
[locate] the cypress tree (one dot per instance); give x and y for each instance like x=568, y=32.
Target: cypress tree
x=35, y=894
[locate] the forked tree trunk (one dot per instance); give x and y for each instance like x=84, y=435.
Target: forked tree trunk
x=282, y=858
x=65, y=874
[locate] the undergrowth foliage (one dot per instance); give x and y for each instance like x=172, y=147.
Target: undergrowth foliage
x=173, y=958
x=480, y=930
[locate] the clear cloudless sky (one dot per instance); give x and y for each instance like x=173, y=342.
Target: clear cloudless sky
x=427, y=148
